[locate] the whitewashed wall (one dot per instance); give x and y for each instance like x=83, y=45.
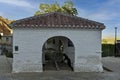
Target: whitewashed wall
x=30, y=41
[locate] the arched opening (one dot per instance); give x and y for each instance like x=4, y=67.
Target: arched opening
x=58, y=54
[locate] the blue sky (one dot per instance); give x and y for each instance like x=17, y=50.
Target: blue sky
x=104, y=11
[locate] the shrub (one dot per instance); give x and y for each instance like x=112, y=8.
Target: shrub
x=108, y=50
x=9, y=54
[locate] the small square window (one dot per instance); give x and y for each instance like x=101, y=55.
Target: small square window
x=16, y=48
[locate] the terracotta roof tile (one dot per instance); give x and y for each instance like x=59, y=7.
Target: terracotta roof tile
x=57, y=20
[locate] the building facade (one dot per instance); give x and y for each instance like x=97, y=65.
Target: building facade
x=56, y=37
x=6, y=44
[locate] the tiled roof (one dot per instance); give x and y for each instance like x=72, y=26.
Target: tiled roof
x=57, y=20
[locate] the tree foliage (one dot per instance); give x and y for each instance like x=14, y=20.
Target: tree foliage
x=67, y=8
x=104, y=41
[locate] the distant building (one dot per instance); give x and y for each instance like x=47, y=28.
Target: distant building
x=6, y=44
x=5, y=35
x=118, y=41
x=54, y=37
x=7, y=40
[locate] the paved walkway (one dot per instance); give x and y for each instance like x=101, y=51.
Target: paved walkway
x=112, y=63
x=5, y=73
x=61, y=76
x=5, y=66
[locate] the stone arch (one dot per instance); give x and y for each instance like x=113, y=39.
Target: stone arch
x=58, y=49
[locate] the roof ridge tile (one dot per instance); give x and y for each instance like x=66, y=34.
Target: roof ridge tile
x=57, y=19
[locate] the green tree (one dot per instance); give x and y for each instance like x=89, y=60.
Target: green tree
x=67, y=8
x=104, y=41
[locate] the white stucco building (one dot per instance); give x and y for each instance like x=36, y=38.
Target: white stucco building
x=40, y=39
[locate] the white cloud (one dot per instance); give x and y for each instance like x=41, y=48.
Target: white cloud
x=81, y=12
x=21, y=3
x=102, y=16
x=94, y=15
x=108, y=11
x=112, y=2
x=2, y=14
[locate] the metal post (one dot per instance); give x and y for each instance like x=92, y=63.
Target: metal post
x=115, y=42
